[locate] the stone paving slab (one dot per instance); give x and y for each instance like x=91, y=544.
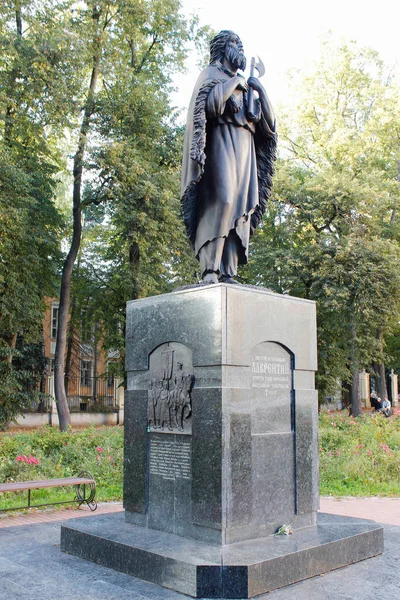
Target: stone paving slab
x=382, y=510
x=32, y=566
x=35, y=516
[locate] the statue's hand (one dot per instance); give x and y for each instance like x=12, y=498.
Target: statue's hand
x=242, y=84
x=254, y=83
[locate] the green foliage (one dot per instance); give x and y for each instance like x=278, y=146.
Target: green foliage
x=393, y=349
x=133, y=243
x=30, y=225
x=129, y=149
x=331, y=232
x=359, y=457
x=18, y=387
x=29, y=246
x=97, y=450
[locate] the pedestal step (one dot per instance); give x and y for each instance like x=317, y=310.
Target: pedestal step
x=241, y=570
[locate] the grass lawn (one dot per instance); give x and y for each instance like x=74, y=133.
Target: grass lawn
x=358, y=457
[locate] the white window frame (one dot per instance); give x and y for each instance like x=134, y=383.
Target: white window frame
x=110, y=377
x=54, y=321
x=86, y=372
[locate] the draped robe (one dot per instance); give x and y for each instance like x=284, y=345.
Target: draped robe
x=227, y=164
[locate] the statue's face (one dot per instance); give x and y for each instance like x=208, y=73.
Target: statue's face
x=234, y=52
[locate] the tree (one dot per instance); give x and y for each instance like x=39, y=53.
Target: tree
x=131, y=48
x=99, y=74
x=335, y=237
x=30, y=225
x=36, y=83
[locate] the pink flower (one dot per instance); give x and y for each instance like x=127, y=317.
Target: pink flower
x=31, y=460
x=99, y=450
x=109, y=457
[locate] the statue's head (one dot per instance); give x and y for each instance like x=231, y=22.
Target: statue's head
x=226, y=44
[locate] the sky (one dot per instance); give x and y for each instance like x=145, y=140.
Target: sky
x=287, y=34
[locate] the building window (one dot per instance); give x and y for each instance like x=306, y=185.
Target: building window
x=86, y=372
x=54, y=321
x=110, y=378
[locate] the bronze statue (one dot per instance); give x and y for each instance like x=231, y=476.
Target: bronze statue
x=228, y=161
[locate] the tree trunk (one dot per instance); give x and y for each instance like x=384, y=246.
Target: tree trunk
x=380, y=377
x=11, y=341
x=379, y=369
x=70, y=347
x=95, y=361
x=381, y=381
x=134, y=264
x=66, y=277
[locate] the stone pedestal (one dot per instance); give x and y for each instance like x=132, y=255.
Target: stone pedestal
x=394, y=383
x=221, y=449
x=250, y=444
x=364, y=386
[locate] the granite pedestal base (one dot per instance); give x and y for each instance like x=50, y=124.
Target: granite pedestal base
x=221, y=449
x=241, y=570
x=244, y=459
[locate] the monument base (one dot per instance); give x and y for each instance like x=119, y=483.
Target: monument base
x=240, y=570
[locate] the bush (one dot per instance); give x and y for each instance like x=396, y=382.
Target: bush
x=359, y=457
x=97, y=450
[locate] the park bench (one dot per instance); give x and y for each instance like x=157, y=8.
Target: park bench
x=85, y=490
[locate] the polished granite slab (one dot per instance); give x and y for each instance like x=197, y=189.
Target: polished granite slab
x=247, y=459
x=240, y=570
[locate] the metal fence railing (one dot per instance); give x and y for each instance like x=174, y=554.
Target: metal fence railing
x=84, y=394
x=92, y=394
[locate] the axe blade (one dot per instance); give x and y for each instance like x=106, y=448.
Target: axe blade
x=259, y=65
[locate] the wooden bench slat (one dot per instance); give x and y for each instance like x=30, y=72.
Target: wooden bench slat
x=45, y=483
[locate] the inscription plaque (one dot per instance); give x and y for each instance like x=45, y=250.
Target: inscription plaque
x=169, y=482
x=271, y=382
x=272, y=428
x=169, y=459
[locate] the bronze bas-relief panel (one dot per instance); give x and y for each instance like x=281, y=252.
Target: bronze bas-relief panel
x=170, y=382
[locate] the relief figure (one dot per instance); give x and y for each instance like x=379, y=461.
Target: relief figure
x=169, y=389
x=165, y=405
x=151, y=403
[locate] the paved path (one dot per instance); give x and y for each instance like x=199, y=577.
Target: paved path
x=382, y=510
x=32, y=566
x=35, y=516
